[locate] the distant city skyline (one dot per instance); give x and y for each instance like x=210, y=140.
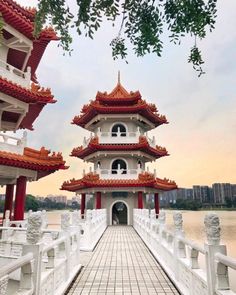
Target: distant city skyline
x=201, y=135
x=217, y=194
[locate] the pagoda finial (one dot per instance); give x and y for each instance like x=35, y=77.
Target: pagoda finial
x=118, y=77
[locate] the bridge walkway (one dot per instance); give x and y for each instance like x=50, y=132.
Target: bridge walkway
x=121, y=264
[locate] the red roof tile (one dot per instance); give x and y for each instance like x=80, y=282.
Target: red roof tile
x=92, y=180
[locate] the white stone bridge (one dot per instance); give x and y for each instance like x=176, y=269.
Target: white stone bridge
x=143, y=259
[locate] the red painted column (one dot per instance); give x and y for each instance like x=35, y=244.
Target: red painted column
x=82, y=208
x=8, y=199
x=20, y=198
x=98, y=200
x=140, y=200
x=157, y=204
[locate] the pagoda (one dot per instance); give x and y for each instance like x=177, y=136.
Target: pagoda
x=21, y=101
x=119, y=149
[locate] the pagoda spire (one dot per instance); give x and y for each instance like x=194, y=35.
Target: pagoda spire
x=118, y=77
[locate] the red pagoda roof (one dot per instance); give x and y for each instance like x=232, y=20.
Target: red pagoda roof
x=22, y=19
x=118, y=96
x=142, y=145
x=93, y=180
x=39, y=160
x=36, y=97
x=119, y=101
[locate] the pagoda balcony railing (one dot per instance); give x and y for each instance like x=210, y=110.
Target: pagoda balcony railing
x=15, y=75
x=12, y=144
x=119, y=137
x=151, y=141
x=118, y=173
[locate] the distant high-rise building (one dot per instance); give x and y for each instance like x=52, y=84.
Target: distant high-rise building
x=197, y=193
x=58, y=198
x=205, y=194
x=233, y=187
x=201, y=193
x=221, y=191
x=185, y=193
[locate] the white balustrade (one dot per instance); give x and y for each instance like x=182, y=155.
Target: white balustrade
x=56, y=255
x=151, y=141
x=118, y=137
x=15, y=75
x=92, y=228
x=118, y=173
x=179, y=256
x=12, y=144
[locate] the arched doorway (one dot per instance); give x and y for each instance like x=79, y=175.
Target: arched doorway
x=119, y=214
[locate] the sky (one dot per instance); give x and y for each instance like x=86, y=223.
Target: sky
x=201, y=134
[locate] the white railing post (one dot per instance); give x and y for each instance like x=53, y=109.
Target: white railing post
x=212, y=246
x=77, y=227
x=6, y=221
x=179, y=246
x=222, y=277
x=162, y=220
x=33, y=236
x=26, y=278
x=65, y=226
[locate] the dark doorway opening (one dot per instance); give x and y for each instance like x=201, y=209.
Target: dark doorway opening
x=119, y=214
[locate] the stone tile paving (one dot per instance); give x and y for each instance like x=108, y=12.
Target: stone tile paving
x=121, y=264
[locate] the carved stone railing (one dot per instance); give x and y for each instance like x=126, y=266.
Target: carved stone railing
x=24, y=267
x=92, y=228
x=179, y=256
x=55, y=253
x=15, y=75
x=12, y=144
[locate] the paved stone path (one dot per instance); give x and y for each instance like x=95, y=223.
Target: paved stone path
x=121, y=264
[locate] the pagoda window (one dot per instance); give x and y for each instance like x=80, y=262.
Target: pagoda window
x=119, y=166
x=118, y=129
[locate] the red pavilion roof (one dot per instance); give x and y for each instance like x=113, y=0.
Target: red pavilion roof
x=93, y=180
x=39, y=160
x=142, y=145
x=119, y=101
